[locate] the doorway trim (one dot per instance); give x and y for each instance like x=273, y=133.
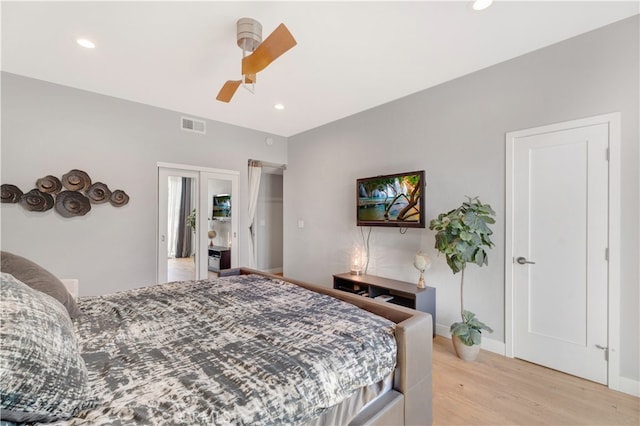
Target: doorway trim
x=613, y=331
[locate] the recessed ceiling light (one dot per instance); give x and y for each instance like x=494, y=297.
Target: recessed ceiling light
x=481, y=4
x=86, y=43
x=279, y=107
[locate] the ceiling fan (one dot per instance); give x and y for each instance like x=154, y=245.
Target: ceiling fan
x=256, y=54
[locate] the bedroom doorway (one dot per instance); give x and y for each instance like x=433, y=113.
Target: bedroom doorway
x=561, y=251
x=186, y=219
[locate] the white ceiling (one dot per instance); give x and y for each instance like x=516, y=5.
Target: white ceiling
x=351, y=56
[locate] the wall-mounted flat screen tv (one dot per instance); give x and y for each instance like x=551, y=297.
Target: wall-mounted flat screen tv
x=222, y=205
x=391, y=200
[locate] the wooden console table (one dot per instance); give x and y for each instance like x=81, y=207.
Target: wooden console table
x=401, y=292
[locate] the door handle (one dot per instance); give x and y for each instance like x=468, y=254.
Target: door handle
x=523, y=261
x=606, y=351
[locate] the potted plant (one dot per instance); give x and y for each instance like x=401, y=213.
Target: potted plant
x=462, y=235
x=191, y=220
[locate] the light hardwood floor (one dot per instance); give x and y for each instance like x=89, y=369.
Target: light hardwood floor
x=495, y=390
x=182, y=269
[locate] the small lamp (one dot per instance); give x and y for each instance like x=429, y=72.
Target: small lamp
x=357, y=261
x=211, y=234
x=421, y=262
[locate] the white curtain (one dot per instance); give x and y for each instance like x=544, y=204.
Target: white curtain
x=255, y=171
x=175, y=192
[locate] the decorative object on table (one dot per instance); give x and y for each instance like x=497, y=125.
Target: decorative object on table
x=36, y=201
x=119, y=198
x=211, y=234
x=357, y=261
x=462, y=235
x=421, y=262
x=76, y=180
x=99, y=193
x=72, y=203
x=10, y=193
x=49, y=184
x=49, y=192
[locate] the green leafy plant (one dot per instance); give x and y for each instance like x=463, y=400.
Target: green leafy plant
x=462, y=235
x=470, y=329
x=191, y=220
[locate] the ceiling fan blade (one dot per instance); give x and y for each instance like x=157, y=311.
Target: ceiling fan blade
x=228, y=90
x=278, y=42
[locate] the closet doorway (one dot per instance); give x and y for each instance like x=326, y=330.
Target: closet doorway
x=186, y=217
x=268, y=222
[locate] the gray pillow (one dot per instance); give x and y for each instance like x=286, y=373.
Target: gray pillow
x=42, y=374
x=36, y=277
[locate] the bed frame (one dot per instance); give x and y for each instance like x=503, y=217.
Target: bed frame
x=410, y=400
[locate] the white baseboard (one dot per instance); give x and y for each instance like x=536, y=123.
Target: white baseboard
x=443, y=330
x=490, y=345
x=630, y=386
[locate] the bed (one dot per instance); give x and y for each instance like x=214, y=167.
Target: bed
x=246, y=348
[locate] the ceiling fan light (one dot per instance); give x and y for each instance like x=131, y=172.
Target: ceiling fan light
x=481, y=4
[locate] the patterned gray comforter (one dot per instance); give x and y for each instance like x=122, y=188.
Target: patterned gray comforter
x=241, y=350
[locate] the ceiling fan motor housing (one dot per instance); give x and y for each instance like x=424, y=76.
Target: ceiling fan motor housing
x=249, y=34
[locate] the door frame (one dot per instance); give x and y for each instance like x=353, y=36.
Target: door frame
x=203, y=173
x=613, y=330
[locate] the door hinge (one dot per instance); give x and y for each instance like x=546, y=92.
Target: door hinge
x=606, y=254
x=606, y=351
x=607, y=154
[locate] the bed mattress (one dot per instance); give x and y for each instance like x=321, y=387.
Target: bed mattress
x=239, y=350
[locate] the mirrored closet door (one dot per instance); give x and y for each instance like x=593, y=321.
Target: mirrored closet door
x=197, y=225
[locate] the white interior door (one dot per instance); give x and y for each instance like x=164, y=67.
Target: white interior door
x=559, y=248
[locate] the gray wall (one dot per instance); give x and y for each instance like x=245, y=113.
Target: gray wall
x=50, y=129
x=456, y=132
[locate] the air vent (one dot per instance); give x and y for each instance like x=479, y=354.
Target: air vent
x=193, y=125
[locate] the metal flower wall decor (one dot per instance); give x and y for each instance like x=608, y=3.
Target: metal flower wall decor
x=70, y=196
